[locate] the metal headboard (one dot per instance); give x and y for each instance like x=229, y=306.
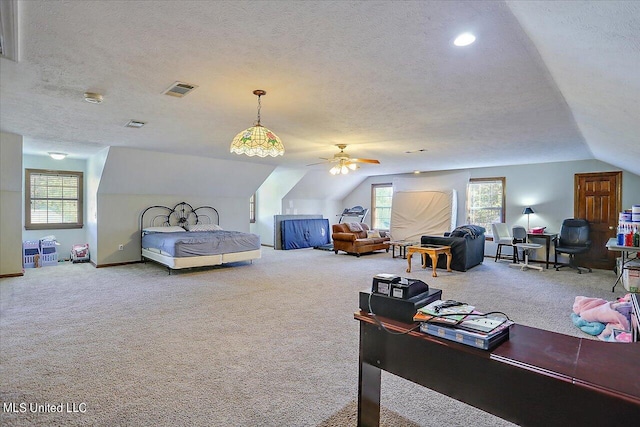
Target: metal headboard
x=181, y=215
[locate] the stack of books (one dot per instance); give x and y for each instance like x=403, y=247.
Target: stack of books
x=461, y=323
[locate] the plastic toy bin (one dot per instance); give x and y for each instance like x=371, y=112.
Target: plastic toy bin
x=30, y=249
x=48, y=253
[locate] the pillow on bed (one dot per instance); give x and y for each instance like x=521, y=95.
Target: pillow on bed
x=204, y=227
x=169, y=229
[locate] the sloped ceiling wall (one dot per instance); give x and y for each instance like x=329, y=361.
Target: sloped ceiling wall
x=591, y=50
x=131, y=171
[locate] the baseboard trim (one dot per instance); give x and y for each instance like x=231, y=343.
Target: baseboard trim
x=115, y=264
x=2, y=276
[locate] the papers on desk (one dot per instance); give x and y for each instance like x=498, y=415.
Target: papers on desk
x=440, y=311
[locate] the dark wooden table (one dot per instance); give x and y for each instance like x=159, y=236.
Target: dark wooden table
x=536, y=378
x=402, y=247
x=548, y=237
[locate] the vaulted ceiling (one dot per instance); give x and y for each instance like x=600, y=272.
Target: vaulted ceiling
x=545, y=81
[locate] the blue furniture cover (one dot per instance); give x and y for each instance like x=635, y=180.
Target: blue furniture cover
x=304, y=233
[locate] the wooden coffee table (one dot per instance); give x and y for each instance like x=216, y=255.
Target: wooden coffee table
x=433, y=251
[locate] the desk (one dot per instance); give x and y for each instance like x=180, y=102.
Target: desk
x=548, y=237
x=402, y=247
x=434, y=252
x=612, y=245
x=536, y=378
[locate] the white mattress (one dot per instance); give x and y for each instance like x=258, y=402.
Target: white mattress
x=418, y=213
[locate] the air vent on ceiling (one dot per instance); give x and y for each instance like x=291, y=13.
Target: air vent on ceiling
x=179, y=89
x=135, y=124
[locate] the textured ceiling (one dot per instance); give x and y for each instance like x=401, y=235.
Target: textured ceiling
x=545, y=81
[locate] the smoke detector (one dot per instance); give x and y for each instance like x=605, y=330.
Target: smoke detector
x=179, y=89
x=93, y=98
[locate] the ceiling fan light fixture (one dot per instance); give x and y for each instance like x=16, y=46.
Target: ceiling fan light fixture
x=257, y=140
x=344, y=162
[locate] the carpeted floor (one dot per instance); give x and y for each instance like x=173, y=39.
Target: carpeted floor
x=272, y=343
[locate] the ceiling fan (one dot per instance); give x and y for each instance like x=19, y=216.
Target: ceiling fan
x=344, y=161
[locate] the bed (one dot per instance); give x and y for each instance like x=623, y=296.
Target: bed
x=185, y=237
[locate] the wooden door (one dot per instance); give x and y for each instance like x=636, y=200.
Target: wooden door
x=597, y=198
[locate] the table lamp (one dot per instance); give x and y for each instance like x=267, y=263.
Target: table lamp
x=528, y=211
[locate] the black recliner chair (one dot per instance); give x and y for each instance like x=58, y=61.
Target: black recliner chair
x=573, y=240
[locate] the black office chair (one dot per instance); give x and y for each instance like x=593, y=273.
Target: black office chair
x=573, y=240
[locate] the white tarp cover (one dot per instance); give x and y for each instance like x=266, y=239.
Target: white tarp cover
x=418, y=213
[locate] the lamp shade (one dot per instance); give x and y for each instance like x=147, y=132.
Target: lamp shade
x=257, y=141
x=527, y=211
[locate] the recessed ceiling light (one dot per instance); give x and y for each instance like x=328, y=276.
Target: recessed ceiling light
x=93, y=98
x=464, y=39
x=57, y=156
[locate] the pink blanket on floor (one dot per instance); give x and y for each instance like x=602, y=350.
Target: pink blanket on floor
x=599, y=310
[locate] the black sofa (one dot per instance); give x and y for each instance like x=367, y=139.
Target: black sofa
x=467, y=247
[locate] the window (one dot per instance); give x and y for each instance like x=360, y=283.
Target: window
x=381, y=195
x=485, y=201
x=53, y=199
x=252, y=208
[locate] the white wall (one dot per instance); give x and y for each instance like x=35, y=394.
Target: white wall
x=133, y=180
x=327, y=208
x=321, y=185
x=269, y=201
x=11, y=203
x=427, y=181
x=95, y=166
x=65, y=237
x=548, y=188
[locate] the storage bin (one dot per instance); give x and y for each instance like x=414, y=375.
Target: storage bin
x=48, y=253
x=30, y=249
x=631, y=276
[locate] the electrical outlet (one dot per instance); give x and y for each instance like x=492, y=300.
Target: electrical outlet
x=121, y=247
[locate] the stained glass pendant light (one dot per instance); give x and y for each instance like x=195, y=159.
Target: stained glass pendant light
x=257, y=140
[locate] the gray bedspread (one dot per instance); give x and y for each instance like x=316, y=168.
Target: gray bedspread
x=201, y=242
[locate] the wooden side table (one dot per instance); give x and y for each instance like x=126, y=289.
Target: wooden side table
x=402, y=247
x=433, y=251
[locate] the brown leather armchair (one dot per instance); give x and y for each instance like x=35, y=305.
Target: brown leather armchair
x=356, y=242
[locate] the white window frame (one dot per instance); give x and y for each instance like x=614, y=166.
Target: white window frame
x=375, y=222
x=30, y=199
x=475, y=208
